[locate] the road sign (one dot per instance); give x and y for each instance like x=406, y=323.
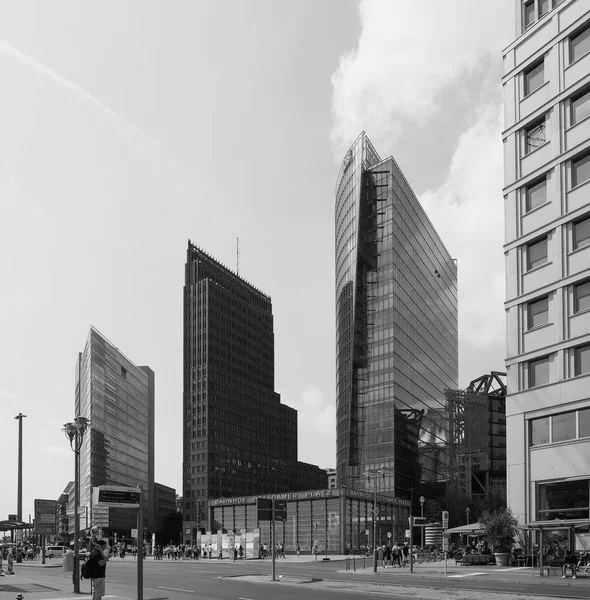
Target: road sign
x=367, y=532
x=116, y=496
x=45, y=514
x=407, y=533
x=264, y=509
x=280, y=510
x=13, y=517
x=445, y=519
x=445, y=544
x=376, y=511
x=389, y=534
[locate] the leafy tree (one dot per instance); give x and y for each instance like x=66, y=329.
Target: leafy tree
x=501, y=527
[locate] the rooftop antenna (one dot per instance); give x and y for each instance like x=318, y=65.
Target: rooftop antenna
x=237, y=256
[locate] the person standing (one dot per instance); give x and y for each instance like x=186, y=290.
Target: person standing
x=298, y=550
x=10, y=560
x=99, y=558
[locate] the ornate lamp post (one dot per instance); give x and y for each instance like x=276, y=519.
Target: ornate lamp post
x=422, y=499
x=378, y=478
x=74, y=432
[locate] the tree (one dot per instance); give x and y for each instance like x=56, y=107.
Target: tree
x=501, y=527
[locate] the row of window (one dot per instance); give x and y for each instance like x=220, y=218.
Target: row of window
x=561, y=427
x=531, y=13
x=535, y=133
x=539, y=368
x=537, y=253
x=538, y=309
x=579, y=46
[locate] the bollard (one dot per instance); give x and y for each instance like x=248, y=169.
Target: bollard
x=347, y=566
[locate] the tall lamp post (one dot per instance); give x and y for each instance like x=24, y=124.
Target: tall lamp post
x=74, y=432
x=422, y=499
x=19, y=504
x=467, y=511
x=378, y=478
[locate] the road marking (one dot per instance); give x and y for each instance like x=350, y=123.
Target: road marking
x=466, y=575
x=511, y=569
x=161, y=587
x=244, y=598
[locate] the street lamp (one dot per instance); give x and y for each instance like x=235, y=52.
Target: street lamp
x=422, y=499
x=373, y=473
x=74, y=432
x=467, y=511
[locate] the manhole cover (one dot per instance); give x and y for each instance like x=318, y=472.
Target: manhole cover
x=29, y=588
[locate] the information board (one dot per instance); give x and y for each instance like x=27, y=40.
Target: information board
x=45, y=515
x=116, y=496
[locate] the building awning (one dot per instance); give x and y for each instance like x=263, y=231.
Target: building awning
x=559, y=523
x=9, y=525
x=471, y=529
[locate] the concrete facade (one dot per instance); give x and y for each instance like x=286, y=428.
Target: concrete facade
x=547, y=218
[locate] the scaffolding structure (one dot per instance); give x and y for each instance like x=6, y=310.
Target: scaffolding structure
x=477, y=439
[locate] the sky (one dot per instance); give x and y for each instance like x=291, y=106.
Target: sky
x=128, y=128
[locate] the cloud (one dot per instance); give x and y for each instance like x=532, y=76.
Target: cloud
x=408, y=52
x=316, y=424
x=467, y=211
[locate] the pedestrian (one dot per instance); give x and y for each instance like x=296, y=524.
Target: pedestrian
x=235, y=554
x=10, y=560
x=298, y=550
x=241, y=552
x=99, y=558
x=1, y=570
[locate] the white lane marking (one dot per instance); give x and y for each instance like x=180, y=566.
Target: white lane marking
x=466, y=575
x=161, y=587
x=511, y=569
x=245, y=599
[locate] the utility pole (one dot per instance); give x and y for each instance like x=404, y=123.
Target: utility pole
x=19, y=505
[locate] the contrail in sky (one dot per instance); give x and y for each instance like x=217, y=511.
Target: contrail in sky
x=85, y=96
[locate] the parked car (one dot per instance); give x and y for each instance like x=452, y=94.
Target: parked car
x=54, y=551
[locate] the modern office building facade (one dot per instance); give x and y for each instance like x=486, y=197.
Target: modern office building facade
x=238, y=437
x=118, y=398
x=547, y=213
x=396, y=325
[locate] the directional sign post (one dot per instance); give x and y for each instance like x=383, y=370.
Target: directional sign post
x=114, y=496
x=271, y=510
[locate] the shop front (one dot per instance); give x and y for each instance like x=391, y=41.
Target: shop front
x=329, y=521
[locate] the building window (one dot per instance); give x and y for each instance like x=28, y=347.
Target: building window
x=535, y=135
x=124, y=372
x=564, y=500
x=582, y=360
x=582, y=296
x=580, y=107
x=563, y=427
x=536, y=194
x=584, y=422
x=579, y=44
x=536, y=253
x=582, y=233
x=538, y=312
x=543, y=7
x=540, y=431
x=529, y=13
x=534, y=78
x=580, y=170
x=539, y=371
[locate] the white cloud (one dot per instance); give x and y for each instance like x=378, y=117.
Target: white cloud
x=408, y=52
x=316, y=425
x=467, y=211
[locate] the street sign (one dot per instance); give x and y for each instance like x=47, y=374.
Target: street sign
x=45, y=515
x=407, y=533
x=445, y=545
x=445, y=519
x=116, y=496
x=280, y=510
x=264, y=509
x=13, y=517
x=376, y=511
x=389, y=534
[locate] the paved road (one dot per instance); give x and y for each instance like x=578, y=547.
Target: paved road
x=297, y=580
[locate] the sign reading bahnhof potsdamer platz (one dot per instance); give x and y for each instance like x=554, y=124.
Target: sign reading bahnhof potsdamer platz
x=323, y=521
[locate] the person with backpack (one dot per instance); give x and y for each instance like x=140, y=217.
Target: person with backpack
x=95, y=566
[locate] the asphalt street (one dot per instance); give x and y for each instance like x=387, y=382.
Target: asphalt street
x=296, y=579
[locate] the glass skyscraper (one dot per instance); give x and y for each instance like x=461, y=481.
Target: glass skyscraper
x=118, y=449
x=396, y=327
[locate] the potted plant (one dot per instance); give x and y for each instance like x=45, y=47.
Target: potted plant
x=501, y=528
